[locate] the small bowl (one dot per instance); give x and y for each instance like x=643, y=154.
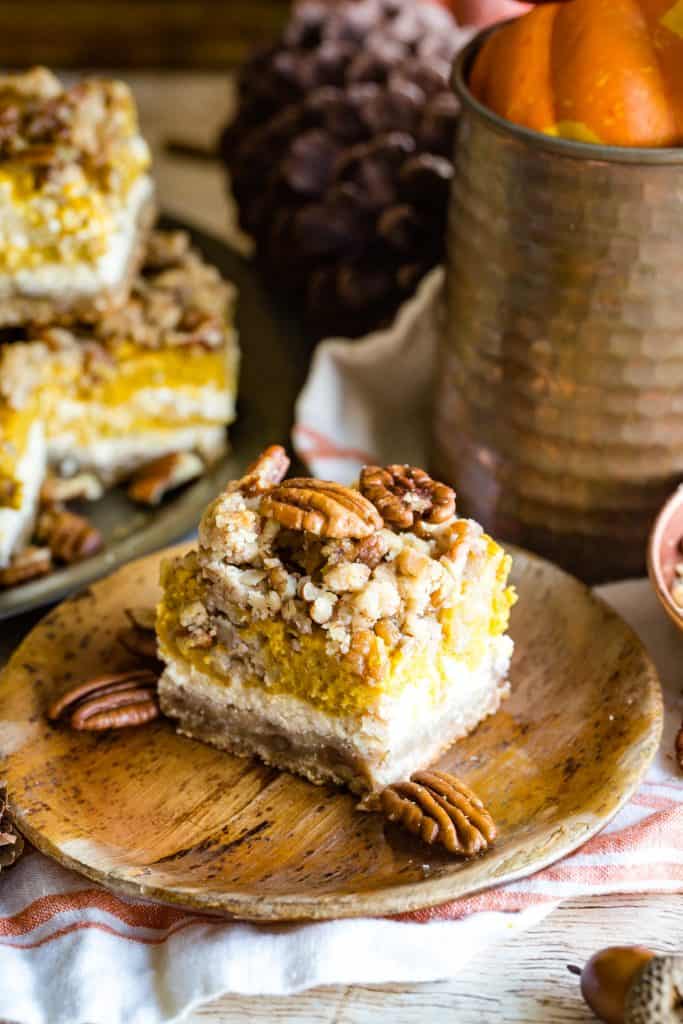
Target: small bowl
x=664, y=552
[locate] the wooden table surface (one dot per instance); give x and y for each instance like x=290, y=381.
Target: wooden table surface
x=524, y=980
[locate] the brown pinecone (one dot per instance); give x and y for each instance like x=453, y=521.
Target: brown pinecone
x=11, y=843
x=340, y=156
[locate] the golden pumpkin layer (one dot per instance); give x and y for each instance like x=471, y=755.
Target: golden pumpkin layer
x=301, y=664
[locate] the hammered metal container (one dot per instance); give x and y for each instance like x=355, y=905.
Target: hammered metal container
x=559, y=404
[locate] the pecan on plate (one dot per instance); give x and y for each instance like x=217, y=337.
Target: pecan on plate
x=153, y=481
x=11, y=843
x=29, y=564
x=321, y=508
x=81, y=487
x=405, y=495
x=264, y=473
x=438, y=807
x=70, y=537
x=139, y=638
x=679, y=748
x=109, y=702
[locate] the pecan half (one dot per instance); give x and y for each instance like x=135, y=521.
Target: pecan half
x=81, y=487
x=109, y=702
x=151, y=483
x=438, y=807
x=70, y=537
x=29, y=564
x=140, y=638
x=405, y=495
x=264, y=473
x=11, y=843
x=679, y=748
x=323, y=508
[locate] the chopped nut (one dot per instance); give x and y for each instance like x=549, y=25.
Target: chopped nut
x=322, y=508
x=362, y=642
x=194, y=621
x=70, y=537
x=82, y=487
x=412, y=562
x=438, y=807
x=29, y=564
x=151, y=483
x=322, y=608
x=405, y=494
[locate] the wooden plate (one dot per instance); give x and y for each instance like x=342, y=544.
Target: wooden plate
x=149, y=813
x=272, y=372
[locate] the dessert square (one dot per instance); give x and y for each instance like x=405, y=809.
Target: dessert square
x=157, y=376
x=347, y=634
x=76, y=199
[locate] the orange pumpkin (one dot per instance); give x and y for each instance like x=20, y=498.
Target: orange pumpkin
x=607, y=71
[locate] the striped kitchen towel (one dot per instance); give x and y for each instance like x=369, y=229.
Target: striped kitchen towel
x=72, y=953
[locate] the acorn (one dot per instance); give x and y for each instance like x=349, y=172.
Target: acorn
x=632, y=985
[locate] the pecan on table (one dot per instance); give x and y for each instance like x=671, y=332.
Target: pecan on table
x=29, y=564
x=113, y=701
x=153, y=481
x=11, y=843
x=439, y=808
x=139, y=638
x=264, y=473
x=322, y=508
x=70, y=537
x=405, y=495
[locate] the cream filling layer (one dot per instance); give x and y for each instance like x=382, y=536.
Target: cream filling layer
x=405, y=733
x=113, y=457
x=65, y=281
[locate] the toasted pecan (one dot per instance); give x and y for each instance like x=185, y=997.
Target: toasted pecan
x=406, y=494
x=70, y=537
x=29, y=564
x=322, y=508
x=112, y=701
x=264, y=473
x=156, y=479
x=438, y=807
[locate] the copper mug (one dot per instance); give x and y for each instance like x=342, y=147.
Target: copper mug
x=559, y=397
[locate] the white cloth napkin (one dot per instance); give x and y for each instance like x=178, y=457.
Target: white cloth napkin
x=72, y=953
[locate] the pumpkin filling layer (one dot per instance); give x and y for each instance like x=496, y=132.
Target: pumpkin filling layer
x=343, y=660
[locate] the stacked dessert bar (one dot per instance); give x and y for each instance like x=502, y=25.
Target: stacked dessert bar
x=116, y=341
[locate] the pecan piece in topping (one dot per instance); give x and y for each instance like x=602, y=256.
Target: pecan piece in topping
x=70, y=537
x=153, y=481
x=405, y=495
x=322, y=508
x=109, y=702
x=29, y=564
x=438, y=807
x=266, y=472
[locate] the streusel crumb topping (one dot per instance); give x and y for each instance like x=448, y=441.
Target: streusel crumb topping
x=256, y=564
